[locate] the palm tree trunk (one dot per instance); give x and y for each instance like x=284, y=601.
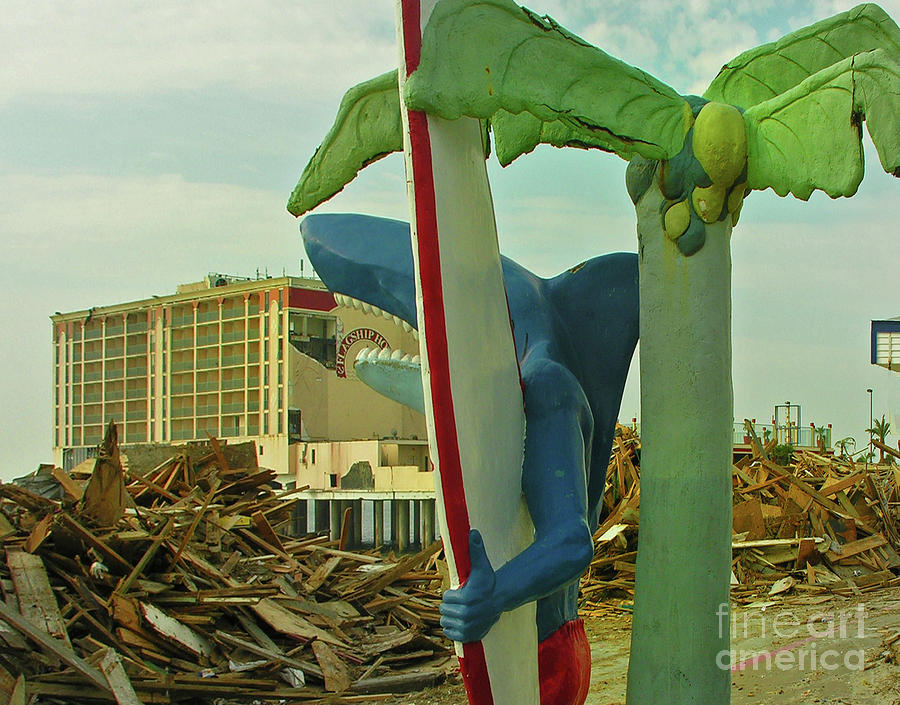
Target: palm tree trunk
x=680, y=638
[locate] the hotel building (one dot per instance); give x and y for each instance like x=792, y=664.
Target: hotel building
x=268, y=360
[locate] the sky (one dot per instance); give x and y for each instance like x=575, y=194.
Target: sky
x=145, y=144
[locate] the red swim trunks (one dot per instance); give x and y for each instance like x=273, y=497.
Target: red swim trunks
x=564, y=665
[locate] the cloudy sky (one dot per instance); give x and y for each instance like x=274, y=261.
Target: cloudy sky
x=145, y=144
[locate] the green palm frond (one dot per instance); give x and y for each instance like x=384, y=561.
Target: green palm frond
x=769, y=70
x=809, y=137
x=366, y=128
x=537, y=82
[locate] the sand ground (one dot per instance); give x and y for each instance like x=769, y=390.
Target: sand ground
x=815, y=650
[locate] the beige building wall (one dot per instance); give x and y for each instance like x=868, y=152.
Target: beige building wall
x=395, y=465
x=344, y=408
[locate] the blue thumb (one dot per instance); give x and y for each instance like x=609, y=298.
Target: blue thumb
x=481, y=576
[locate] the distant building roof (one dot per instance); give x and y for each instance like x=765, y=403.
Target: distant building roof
x=886, y=343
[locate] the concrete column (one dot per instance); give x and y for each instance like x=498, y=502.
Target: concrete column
x=334, y=519
x=403, y=525
x=321, y=515
x=394, y=503
x=300, y=517
x=428, y=521
x=356, y=523
x=378, y=522
x=417, y=522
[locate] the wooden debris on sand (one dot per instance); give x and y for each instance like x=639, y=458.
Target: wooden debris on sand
x=819, y=525
x=174, y=584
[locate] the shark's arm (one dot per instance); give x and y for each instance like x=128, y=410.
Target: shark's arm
x=558, y=434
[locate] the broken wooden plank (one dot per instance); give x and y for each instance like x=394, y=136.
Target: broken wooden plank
x=172, y=630
x=104, y=496
x=185, y=539
x=402, y=683
x=37, y=603
x=38, y=534
x=117, y=679
x=53, y=646
x=91, y=540
x=265, y=530
x=855, y=547
x=322, y=573
x=72, y=488
x=126, y=582
x=747, y=516
x=336, y=674
x=270, y=654
x=293, y=625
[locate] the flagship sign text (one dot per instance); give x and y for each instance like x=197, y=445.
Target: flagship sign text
x=354, y=336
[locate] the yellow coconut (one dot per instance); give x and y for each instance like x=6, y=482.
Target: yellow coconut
x=677, y=219
x=708, y=202
x=720, y=142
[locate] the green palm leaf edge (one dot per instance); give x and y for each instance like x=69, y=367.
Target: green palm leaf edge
x=771, y=69
x=809, y=137
x=367, y=127
x=537, y=82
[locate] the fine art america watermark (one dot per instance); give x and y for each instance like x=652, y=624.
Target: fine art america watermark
x=803, y=652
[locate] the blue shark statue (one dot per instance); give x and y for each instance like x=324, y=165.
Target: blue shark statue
x=575, y=335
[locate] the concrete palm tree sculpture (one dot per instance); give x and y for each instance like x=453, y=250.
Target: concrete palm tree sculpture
x=786, y=115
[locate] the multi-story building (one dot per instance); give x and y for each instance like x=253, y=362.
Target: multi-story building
x=268, y=360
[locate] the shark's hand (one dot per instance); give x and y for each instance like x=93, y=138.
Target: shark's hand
x=468, y=613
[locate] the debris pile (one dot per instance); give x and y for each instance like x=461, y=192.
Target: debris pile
x=817, y=524
x=177, y=585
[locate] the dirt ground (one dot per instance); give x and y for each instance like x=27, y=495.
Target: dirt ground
x=815, y=650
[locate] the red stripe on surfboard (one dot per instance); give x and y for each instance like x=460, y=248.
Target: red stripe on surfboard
x=477, y=681
x=412, y=34
x=436, y=332
x=473, y=665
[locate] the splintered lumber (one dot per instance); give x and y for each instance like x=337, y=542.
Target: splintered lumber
x=337, y=676
x=117, y=679
x=73, y=489
x=104, y=496
x=293, y=625
x=403, y=683
x=195, y=577
x=855, y=547
x=270, y=654
x=52, y=646
x=173, y=630
x=796, y=521
x=125, y=583
x=93, y=542
x=748, y=516
x=37, y=603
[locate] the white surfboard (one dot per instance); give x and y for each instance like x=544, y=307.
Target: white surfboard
x=473, y=394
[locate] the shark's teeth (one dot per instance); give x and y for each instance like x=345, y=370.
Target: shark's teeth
x=367, y=308
x=378, y=355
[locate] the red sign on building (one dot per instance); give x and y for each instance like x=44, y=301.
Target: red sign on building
x=355, y=336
